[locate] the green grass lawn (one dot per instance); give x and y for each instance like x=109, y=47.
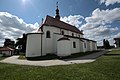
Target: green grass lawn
x=22, y=57
x=115, y=52
x=1, y=57
x=104, y=68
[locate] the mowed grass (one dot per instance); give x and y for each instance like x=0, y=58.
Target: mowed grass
x=115, y=52
x=104, y=68
x=1, y=57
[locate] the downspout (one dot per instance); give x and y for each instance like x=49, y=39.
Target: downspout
x=41, y=44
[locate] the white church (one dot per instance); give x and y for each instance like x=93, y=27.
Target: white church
x=57, y=37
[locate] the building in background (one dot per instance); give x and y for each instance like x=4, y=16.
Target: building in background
x=117, y=42
x=6, y=51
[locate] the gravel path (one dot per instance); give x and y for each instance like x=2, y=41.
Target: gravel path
x=84, y=59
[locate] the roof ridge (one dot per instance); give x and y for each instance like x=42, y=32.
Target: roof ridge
x=62, y=21
x=60, y=24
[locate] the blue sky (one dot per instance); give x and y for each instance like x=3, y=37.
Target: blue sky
x=29, y=13
x=32, y=11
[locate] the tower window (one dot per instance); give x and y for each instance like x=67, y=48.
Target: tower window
x=74, y=45
x=48, y=34
x=62, y=32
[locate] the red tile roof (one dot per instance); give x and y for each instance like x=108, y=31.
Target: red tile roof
x=6, y=49
x=50, y=21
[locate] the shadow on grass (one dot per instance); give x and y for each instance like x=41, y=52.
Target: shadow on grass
x=112, y=54
x=46, y=57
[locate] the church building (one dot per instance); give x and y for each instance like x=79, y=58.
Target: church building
x=57, y=37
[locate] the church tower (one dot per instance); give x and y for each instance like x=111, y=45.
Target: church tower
x=57, y=12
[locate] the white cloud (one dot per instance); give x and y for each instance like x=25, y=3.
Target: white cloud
x=108, y=2
x=98, y=25
x=117, y=35
x=73, y=20
x=13, y=27
x=104, y=16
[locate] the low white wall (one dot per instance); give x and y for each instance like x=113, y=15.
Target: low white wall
x=56, y=37
x=63, y=48
x=77, y=42
x=7, y=53
x=91, y=46
x=82, y=46
x=94, y=46
x=85, y=47
x=33, y=47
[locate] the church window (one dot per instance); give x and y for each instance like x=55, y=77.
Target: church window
x=72, y=34
x=48, y=34
x=74, y=45
x=85, y=45
x=62, y=32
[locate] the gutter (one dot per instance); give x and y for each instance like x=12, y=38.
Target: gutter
x=41, y=44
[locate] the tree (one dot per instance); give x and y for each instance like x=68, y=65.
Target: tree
x=9, y=43
x=106, y=44
x=21, y=43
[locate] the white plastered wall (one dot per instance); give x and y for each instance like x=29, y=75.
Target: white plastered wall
x=63, y=48
x=7, y=53
x=77, y=42
x=82, y=46
x=33, y=47
x=49, y=43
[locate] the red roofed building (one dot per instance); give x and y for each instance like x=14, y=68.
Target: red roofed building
x=57, y=37
x=6, y=51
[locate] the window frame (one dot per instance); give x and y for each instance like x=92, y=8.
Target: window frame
x=72, y=34
x=62, y=32
x=48, y=34
x=74, y=44
x=85, y=46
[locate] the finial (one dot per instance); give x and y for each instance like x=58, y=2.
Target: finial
x=57, y=4
x=57, y=12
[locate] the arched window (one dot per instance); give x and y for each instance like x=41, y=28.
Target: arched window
x=72, y=34
x=48, y=34
x=74, y=45
x=62, y=32
x=85, y=45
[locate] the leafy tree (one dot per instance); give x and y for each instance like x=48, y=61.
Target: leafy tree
x=9, y=43
x=106, y=44
x=21, y=43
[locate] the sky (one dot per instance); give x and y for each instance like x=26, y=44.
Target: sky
x=99, y=19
